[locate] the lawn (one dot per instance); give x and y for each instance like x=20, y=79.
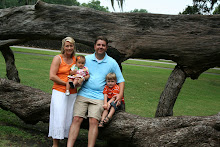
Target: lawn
x=143, y=84
x=143, y=87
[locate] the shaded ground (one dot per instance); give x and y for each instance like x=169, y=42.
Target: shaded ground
x=42, y=141
x=15, y=133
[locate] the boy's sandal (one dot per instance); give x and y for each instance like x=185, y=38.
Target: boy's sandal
x=101, y=124
x=107, y=120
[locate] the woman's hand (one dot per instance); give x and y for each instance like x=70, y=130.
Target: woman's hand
x=73, y=72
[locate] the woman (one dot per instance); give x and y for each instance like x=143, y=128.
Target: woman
x=61, y=107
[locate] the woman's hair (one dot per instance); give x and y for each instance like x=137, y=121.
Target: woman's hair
x=70, y=40
x=102, y=38
x=80, y=57
x=111, y=76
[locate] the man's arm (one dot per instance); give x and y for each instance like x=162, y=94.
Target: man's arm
x=121, y=93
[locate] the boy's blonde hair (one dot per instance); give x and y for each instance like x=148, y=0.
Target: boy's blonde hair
x=111, y=76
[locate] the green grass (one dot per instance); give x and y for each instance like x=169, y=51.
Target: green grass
x=143, y=84
x=143, y=87
x=43, y=52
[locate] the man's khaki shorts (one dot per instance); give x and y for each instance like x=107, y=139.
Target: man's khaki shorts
x=93, y=107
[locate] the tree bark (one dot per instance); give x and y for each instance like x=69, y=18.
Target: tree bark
x=11, y=70
x=188, y=131
x=29, y=104
x=32, y=105
x=192, y=41
x=170, y=93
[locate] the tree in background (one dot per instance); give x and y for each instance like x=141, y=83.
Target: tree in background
x=139, y=11
x=9, y=3
x=217, y=10
x=191, y=10
x=205, y=6
x=120, y=4
x=63, y=2
x=200, y=7
x=95, y=4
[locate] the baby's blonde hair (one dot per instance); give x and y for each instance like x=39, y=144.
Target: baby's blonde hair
x=111, y=76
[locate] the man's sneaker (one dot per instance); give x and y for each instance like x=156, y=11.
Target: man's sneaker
x=67, y=93
x=72, y=85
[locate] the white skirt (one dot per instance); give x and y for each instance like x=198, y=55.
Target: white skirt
x=61, y=114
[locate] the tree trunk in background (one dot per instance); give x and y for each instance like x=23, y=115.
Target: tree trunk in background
x=32, y=105
x=170, y=93
x=11, y=70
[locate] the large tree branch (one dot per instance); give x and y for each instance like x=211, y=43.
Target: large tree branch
x=29, y=104
x=192, y=41
x=170, y=93
x=32, y=105
x=8, y=55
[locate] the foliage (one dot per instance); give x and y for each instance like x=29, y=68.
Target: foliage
x=95, y=4
x=217, y=10
x=16, y=3
x=139, y=11
x=191, y=10
x=200, y=7
x=6, y=3
x=64, y=2
x=205, y=6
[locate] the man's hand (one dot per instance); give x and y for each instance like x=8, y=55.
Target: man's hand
x=117, y=99
x=105, y=106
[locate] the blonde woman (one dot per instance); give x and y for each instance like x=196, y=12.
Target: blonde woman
x=61, y=107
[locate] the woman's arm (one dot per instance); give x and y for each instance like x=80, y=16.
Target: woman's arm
x=54, y=69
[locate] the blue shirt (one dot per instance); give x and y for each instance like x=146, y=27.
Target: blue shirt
x=93, y=88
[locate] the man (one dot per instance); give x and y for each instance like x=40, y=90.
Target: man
x=90, y=96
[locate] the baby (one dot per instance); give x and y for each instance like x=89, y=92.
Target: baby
x=79, y=71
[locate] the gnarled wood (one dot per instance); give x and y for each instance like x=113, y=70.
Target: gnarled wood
x=8, y=55
x=29, y=104
x=193, y=131
x=192, y=41
x=170, y=93
x=32, y=105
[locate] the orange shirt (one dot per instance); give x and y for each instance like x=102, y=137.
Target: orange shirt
x=63, y=72
x=112, y=91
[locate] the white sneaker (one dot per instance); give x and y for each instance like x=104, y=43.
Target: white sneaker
x=67, y=93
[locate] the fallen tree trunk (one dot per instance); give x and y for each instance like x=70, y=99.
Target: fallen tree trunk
x=167, y=131
x=32, y=105
x=29, y=104
x=192, y=41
